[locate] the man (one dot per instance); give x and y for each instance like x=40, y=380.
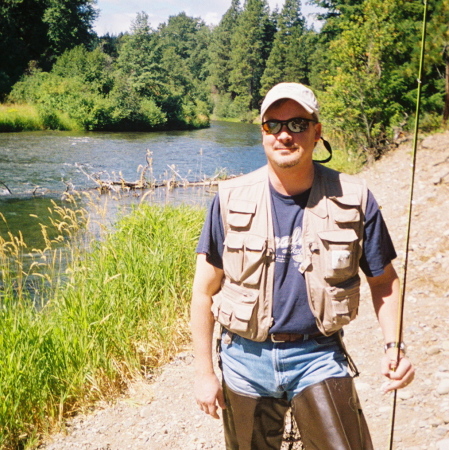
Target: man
x=277, y=267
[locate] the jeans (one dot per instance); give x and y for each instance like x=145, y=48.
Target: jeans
x=280, y=370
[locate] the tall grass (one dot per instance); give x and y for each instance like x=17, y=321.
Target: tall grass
x=121, y=311
x=21, y=117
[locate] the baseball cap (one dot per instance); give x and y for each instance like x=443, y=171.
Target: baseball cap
x=294, y=91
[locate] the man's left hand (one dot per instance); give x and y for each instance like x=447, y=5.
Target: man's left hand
x=400, y=374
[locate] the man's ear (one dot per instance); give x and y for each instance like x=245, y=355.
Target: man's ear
x=317, y=132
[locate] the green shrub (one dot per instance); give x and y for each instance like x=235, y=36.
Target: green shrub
x=152, y=115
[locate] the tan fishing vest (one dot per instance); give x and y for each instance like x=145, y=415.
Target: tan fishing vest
x=332, y=246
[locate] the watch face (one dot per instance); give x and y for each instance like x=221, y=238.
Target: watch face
x=399, y=345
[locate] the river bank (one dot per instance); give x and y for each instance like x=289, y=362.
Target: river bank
x=160, y=413
x=119, y=309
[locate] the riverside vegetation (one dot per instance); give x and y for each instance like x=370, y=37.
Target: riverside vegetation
x=119, y=309
x=362, y=62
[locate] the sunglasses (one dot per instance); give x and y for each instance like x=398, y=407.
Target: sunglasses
x=295, y=125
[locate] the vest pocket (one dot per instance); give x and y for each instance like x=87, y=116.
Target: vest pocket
x=233, y=307
x=338, y=247
x=344, y=299
x=346, y=210
x=244, y=257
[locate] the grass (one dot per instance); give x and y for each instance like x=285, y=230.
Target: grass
x=19, y=117
x=120, y=310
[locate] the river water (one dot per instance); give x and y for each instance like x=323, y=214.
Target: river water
x=36, y=168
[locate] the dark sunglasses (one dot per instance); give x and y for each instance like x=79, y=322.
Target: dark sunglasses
x=295, y=125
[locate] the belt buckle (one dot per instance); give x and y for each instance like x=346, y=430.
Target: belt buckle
x=274, y=340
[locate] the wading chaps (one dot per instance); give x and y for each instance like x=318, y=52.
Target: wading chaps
x=253, y=423
x=328, y=416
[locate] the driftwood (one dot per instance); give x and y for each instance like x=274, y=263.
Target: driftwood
x=175, y=181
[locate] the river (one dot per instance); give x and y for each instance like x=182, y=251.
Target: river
x=36, y=168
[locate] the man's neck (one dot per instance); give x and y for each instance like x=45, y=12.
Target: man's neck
x=292, y=180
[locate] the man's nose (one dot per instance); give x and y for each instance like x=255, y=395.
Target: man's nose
x=285, y=133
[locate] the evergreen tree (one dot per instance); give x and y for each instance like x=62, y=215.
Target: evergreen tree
x=140, y=76
x=221, y=48
x=185, y=40
x=251, y=45
x=139, y=60
x=288, y=60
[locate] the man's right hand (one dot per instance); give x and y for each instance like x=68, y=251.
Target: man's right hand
x=209, y=394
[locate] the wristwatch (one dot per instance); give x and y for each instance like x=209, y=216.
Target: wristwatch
x=399, y=345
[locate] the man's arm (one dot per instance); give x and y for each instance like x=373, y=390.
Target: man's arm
x=207, y=282
x=385, y=294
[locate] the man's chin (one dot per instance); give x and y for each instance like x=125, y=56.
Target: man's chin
x=287, y=164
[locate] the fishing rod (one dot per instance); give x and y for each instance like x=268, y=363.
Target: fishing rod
x=410, y=207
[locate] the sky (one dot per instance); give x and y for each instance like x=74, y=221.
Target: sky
x=116, y=15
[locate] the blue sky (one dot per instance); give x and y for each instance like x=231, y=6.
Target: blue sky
x=116, y=15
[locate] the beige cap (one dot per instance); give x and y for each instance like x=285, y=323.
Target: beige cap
x=294, y=91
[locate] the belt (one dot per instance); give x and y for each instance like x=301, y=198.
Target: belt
x=292, y=337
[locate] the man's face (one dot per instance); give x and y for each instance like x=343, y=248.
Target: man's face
x=286, y=149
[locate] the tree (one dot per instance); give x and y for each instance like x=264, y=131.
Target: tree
x=361, y=97
x=437, y=56
x=184, y=42
x=139, y=60
x=23, y=38
x=40, y=30
x=185, y=39
x=158, y=66
x=251, y=45
x=69, y=23
x=288, y=60
x=221, y=48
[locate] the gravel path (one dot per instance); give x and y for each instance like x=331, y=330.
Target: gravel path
x=162, y=414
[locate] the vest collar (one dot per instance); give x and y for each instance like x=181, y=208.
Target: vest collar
x=314, y=204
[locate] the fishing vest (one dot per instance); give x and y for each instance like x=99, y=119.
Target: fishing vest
x=332, y=238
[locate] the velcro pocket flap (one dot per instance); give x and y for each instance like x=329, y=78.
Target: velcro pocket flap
x=234, y=241
x=226, y=308
x=351, y=200
x=347, y=209
x=244, y=311
x=347, y=215
x=255, y=243
x=240, y=212
x=338, y=236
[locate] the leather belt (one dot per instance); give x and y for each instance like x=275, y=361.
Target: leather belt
x=291, y=337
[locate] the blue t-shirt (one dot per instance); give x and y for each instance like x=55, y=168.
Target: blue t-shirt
x=291, y=311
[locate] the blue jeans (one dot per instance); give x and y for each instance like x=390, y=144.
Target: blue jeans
x=280, y=370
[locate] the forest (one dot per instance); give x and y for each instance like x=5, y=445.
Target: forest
x=362, y=61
